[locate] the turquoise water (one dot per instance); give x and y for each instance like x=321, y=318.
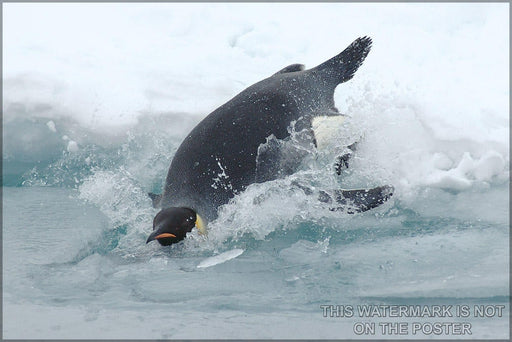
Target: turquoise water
x=75, y=262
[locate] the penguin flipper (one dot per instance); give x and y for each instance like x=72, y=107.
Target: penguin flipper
x=291, y=68
x=358, y=200
x=343, y=66
x=155, y=198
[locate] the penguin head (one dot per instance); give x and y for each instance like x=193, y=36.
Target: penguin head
x=171, y=225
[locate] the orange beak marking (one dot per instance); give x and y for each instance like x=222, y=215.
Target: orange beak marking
x=165, y=235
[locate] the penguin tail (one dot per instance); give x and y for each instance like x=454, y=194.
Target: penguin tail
x=342, y=67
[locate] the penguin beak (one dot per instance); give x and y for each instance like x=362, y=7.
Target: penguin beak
x=164, y=235
x=157, y=235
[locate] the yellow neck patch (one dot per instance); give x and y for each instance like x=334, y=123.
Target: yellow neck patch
x=200, y=225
